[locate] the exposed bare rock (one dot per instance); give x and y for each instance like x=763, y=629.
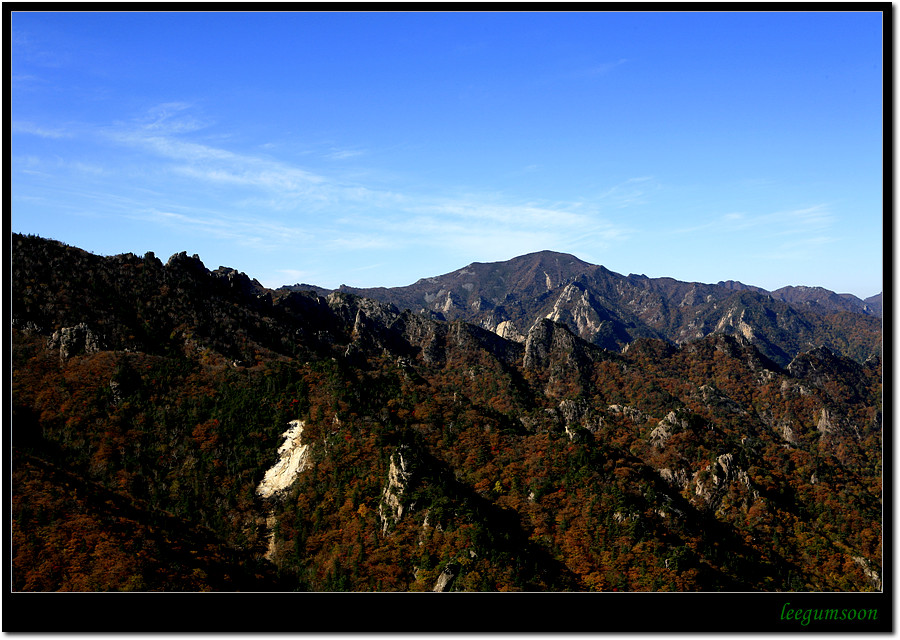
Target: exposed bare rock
x=713, y=482
x=391, y=507
x=72, y=341
x=578, y=417
x=635, y=415
x=363, y=313
x=575, y=309
x=676, y=478
x=787, y=432
x=182, y=261
x=538, y=345
x=716, y=399
x=507, y=329
x=293, y=456
x=791, y=387
x=554, y=349
x=272, y=542
x=665, y=429
x=873, y=575
x=737, y=324
x=445, y=579
x=240, y=282
x=828, y=423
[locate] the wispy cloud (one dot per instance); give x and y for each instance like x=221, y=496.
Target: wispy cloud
x=35, y=50
x=247, y=231
x=779, y=223
x=807, y=243
x=294, y=274
x=344, y=154
x=485, y=229
x=163, y=137
x=471, y=211
x=627, y=193
x=805, y=249
x=179, y=177
x=805, y=220
x=35, y=130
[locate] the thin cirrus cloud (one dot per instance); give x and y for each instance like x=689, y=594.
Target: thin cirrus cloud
x=247, y=231
x=171, y=176
x=35, y=130
x=344, y=154
x=796, y=250
x=779, y=223
x=359, y=217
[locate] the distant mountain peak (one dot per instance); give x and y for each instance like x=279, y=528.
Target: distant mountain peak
x=611, y=310
x=736, y=285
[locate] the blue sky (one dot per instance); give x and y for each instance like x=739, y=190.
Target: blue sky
x=374, y=149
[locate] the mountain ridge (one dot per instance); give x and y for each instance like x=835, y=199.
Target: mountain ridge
x=438, y=455
x=790, y=293
x=610, y=309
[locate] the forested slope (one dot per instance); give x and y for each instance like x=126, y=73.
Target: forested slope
x=440, y=456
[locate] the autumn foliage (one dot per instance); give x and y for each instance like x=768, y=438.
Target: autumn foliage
x=698, y=467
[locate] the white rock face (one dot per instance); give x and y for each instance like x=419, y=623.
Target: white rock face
x=723, y=472
x=293, y=457
x=728, y=320
x=826, y=423
x=74, y=340
x=446, y=577
x=665, y=428
x=871, y=574
x=508, y=330
x=576, y=304
x=676, y=478
x=448, y=303
x=272, y=547
x=390, y=510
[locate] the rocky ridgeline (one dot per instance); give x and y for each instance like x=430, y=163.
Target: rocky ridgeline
x=611, y=310
x=543, y=435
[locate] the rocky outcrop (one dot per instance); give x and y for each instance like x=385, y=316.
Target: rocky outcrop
x=507, y=330
x=293, y=456
x=181, y=262
x=574, y=307
x=731, y=321
x=73, y=341
x=552, y=350
x=712, y=483
x=426, y=335
x=241, y=283
x=578, y=417
x=374, y=327
x=665, y=429
x=634, y=415
x=675, y=477
x=829, y=423
x=549, y=343
x=445, y=579
x=392, y=507
x=349, y=307
x=870, y=573
x=715, y=399
x=786, y=430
